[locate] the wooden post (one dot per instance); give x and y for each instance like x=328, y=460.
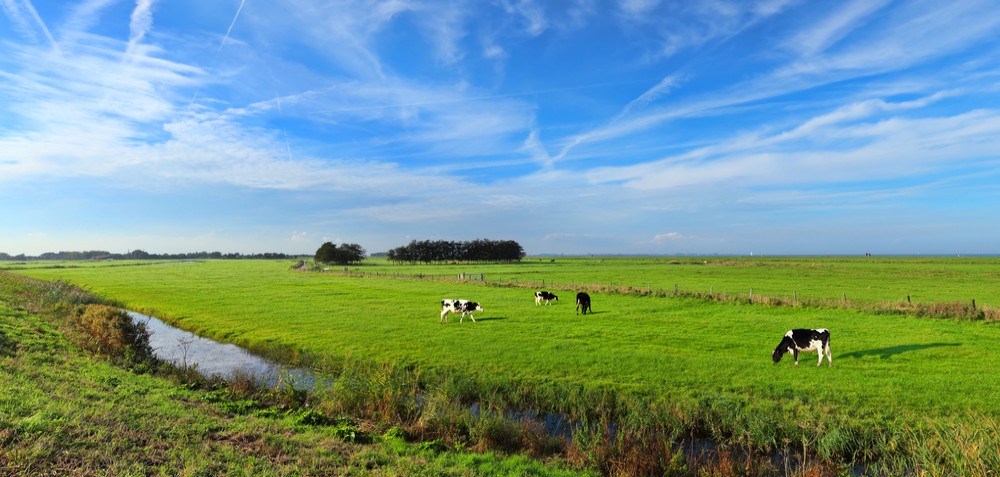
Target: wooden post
x=676, y=291
x=973, y=304
x=795, y=296
x=709, y=291
x=845, y=297
x=751, y=294
x=907, y=299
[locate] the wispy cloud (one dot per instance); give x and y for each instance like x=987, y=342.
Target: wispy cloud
x=826, y=32
x=27, y=22
x=84, y=15
x=140, y=23
x=886, y=148
x=231, y=24
x=404, y=114
x=661, y=89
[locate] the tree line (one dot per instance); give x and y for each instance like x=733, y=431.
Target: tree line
x=479, y=250
x=143, y=255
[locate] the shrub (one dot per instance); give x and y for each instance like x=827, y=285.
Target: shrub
x=110, y=332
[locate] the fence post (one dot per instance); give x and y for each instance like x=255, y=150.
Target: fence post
x=973, y=304
x=795, y=296
x=751, y=294
x=676, y=290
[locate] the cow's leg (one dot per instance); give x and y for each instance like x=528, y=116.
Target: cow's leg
x=795, y=353
x=819, y=351
x=472, y=317
x=444, y=317
x=829, y=355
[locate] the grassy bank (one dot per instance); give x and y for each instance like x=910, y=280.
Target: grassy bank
x=642, y=374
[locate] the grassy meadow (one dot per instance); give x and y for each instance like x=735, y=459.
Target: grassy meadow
x=64, y=411
x=905, y=392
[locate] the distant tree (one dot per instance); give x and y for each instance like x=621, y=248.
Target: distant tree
x=327, y=253
x=345, y=254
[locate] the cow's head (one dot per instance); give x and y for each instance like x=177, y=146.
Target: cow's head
x=781, y=349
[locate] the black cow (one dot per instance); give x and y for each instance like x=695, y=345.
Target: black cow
x=583, y=302
x=459, y=306
x=545, y=296
x=804, y=340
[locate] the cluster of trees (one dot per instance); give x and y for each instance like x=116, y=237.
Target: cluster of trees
x=141, y=255
x=345, y=254
x=479, y=250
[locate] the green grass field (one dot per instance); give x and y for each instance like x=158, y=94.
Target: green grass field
x=899, y=383
x=65, y=412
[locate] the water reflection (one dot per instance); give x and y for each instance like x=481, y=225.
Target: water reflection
x=211, y=358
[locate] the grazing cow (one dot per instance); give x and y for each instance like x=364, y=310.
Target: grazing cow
x=583, y=302
x=804, y=340
x=459, y=306
x=546, y=296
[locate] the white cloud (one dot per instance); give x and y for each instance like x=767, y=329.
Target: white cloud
x=823, y=34
x=139, y=24
x=669, y=236
x=661, y=89
x=445, y=28
x=856, y=152
x=531, y=15
x=26, y=20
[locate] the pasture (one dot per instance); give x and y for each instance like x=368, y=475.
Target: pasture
x=906, y=390
x=65, y=411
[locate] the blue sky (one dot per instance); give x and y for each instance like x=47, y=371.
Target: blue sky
x=576, y=127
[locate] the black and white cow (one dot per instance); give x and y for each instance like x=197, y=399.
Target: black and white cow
x=582, y=302
x=545, y=296
x=459, y=306
x=804, y=340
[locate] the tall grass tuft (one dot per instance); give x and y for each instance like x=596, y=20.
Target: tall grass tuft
x=954, y=447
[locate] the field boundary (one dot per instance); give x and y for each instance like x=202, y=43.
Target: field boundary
x=956, y=310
